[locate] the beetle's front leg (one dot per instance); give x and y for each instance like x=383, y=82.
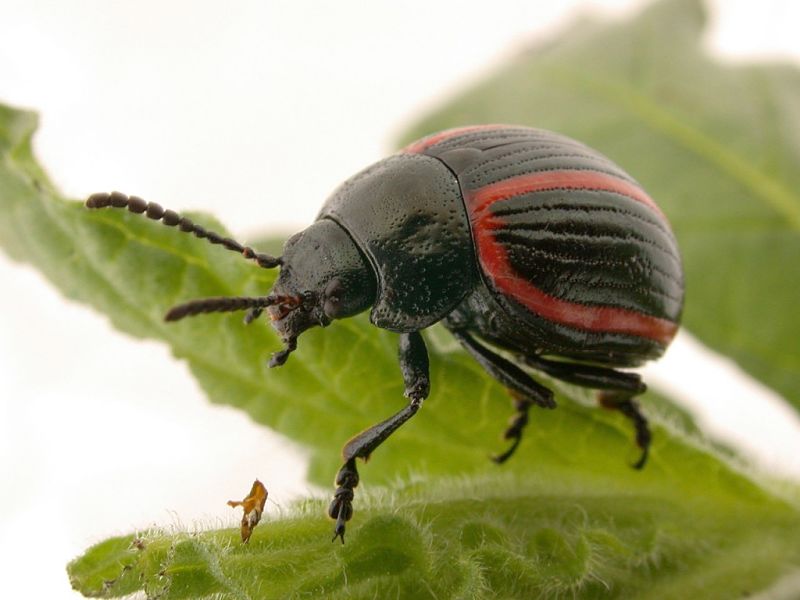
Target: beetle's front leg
x=414, y=366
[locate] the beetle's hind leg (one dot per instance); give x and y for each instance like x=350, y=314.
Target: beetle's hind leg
x=515, y=427
x=525, y=391
x=616, y=391
x=625, y=404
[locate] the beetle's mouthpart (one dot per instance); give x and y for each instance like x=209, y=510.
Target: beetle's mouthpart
x=169, y=217
x=279, y=358
x=227, y=304
x=252, y=315
x=286, y=303
x=282, y=306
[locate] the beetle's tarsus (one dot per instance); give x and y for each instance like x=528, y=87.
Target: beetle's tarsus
x=623, y=403
x=338, y=532
x=639, y=464
x=341, y=507
x=501, y=458
x=515, y=427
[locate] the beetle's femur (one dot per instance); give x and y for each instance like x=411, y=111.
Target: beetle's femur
x=172, y=219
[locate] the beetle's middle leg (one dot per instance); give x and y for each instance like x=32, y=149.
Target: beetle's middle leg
x=414, y=366
x=525, y=391
x=616, y=391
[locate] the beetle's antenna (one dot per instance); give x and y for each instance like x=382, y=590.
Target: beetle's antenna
x=169, y=217
x=228, y=304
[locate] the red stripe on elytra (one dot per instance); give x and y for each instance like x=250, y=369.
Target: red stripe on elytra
x=567, y=179
x=494, y=259
x=432, y=140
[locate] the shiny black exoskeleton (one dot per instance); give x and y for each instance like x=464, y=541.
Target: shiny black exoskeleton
x=516, y=239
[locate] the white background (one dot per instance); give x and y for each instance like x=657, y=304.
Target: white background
x=253, y=112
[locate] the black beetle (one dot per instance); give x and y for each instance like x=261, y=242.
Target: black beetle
x=516, y=239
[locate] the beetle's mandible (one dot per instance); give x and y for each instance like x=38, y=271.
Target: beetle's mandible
x=531, y=248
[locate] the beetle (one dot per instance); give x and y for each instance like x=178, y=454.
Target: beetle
x=535, y=251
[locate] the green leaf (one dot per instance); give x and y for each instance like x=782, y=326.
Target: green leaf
x=503, y=537
x=567, y=517
x=717, y=145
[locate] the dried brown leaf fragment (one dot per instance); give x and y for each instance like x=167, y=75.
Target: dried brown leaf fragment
x=253, y=506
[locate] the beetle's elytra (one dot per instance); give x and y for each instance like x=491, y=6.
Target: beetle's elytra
x=516, y=239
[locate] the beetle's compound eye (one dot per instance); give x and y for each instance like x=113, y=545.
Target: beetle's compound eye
x=333, y=299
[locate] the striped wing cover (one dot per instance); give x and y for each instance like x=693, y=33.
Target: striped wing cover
x=564, y=232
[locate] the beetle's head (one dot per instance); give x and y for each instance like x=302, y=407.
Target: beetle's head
x=323, y=277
